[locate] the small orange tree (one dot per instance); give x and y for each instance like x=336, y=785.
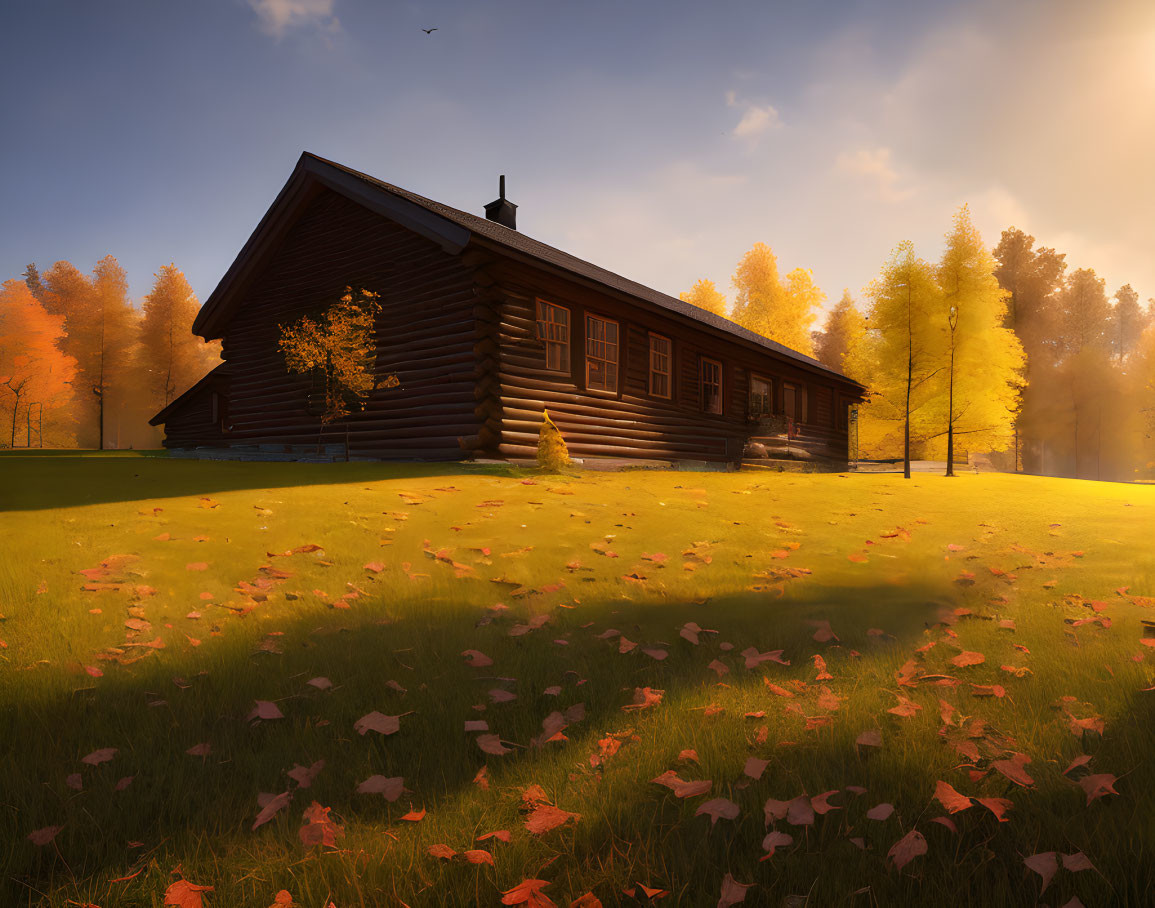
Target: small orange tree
x=337, y=348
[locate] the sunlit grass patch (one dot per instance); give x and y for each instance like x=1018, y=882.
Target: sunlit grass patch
x=241, y=583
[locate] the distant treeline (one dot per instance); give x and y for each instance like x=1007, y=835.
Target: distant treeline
x=1001, y=352
x=80, y=366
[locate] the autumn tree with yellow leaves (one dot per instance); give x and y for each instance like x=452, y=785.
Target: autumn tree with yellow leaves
x=781, y=310
x=841, y=344
x=907, y=345
x=706, y=296
x=977, y=391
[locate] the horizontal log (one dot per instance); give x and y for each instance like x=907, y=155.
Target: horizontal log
x=525, y=449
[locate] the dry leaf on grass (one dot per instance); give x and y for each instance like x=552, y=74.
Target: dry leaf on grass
x=1045, y=864
x=545, y=817
x=319, y=828
x=43, y=836
x=528, y=892
x=718, y=809
x=183, y=894
x=1098, y=785
x=378, y=722
x=270, y=806
x=949, y=798
x=388, y=787
x=733, y=892
x=906, y=849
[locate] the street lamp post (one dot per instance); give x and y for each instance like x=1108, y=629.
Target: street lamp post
x=952, y=320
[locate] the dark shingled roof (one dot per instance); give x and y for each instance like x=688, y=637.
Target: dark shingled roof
x=513, y=239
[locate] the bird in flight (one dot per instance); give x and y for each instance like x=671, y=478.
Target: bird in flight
x=429, y=31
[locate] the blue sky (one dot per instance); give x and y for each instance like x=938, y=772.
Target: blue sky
x=657, y=139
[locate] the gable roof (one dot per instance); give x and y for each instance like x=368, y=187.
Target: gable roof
x=209, y=379
x=453, y=229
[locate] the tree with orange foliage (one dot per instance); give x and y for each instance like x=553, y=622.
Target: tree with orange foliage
x=338, y=350
x=99, y=332
x=172, y=356
x=33, y=370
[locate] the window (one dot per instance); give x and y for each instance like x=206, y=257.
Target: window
x=601, y=354
x=553, y=331
x=661, y=365
x=711, y=378
x=794, y=402
x=761, y=397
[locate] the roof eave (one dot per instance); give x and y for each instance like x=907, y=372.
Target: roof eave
x=312, y=172
x=719, y=332
x=216, y=373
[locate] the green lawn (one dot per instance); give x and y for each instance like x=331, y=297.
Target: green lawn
x=579, y=589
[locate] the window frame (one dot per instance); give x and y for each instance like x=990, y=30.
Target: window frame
x=616, y=362
x=702, y=361
x=770, y=408
x=651, y=371
x=544, y=308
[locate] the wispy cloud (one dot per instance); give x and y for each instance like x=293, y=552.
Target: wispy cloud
x=278, y=16
x=874, y=167
x=756, y=119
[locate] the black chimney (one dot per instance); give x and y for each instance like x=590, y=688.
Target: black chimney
x=501, y=209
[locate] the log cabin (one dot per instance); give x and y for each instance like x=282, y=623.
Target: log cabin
x=484, y=328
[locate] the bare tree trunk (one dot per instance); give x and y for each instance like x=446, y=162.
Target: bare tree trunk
x=168, y=388
x=15, y=410
x=99, y=390
x=1076, y=441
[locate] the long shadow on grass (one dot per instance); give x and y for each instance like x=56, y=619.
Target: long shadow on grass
x=196, y=811
x=185, y=808
x=32, y=483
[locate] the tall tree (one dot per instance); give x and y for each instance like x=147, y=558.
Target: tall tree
x=984, y=359
x=1127, y=322
x=1084, y=346
x=116, y=336
x=908, y=342
x=35, y=375
x=99, y=329
x=173, y=358
x=839, y=344
x=1033, y=278
x=706, y=296
x=1141, y=375
x=780, y=311
x=32, y=280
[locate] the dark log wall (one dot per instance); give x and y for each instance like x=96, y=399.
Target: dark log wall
x=426, y=335
x=192, y=423
x=631, y=422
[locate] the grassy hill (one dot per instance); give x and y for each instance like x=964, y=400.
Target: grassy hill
x=940, y=641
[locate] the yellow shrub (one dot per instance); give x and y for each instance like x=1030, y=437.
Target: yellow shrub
x=552, y=453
